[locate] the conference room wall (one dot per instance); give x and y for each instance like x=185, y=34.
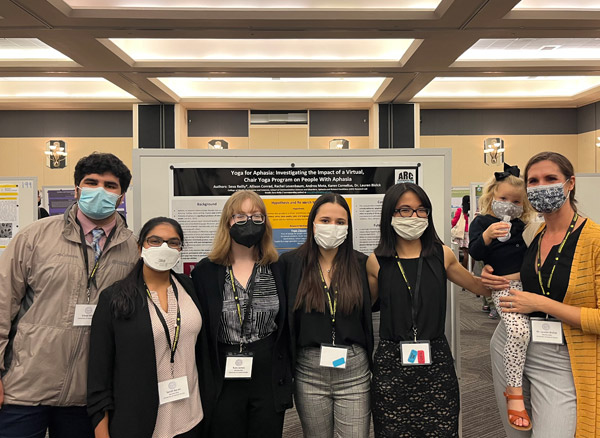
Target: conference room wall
x=25, y=156
x=467, y=152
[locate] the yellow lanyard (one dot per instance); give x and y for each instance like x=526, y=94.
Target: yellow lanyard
x=332, y=305
x=560, y=248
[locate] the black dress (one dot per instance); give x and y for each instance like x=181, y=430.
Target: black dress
x=414, y=401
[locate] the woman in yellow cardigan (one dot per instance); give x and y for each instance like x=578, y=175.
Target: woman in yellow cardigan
x=561, y=272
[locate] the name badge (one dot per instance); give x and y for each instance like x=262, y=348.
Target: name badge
x=84, y=314
x=238, y=366
x=415, y=353
x=546, y=331
x=333, y=356
x=172, y=390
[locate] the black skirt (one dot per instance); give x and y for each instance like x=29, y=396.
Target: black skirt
x=415, y=401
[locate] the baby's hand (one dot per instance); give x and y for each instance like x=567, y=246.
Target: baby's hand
x=497, y=229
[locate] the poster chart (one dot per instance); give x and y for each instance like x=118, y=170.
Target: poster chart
x=59, y=198
x=17, y=206
x=199, y=194
x=209, y=177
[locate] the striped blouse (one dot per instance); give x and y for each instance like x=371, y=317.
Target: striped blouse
x=263, y=313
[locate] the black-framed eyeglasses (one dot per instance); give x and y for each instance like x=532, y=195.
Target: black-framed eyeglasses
x=408, y=212
x=174, y=243
x=241, y=219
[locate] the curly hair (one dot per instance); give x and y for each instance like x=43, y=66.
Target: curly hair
x=490, y=189
x=99, y=162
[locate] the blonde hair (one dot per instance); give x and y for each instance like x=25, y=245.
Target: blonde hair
x=489, y=191
x=221, y=250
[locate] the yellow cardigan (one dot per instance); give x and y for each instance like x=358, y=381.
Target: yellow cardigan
x=584, y=342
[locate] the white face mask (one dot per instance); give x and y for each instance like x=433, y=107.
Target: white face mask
x=330, y=236
x=160, y=258
x=410, y=228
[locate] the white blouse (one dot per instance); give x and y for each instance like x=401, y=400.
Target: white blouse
x=180, y=416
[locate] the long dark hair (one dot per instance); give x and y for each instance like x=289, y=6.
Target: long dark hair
x=345, y=276
x=387, y=236
x=122, y=303
x=466, y=204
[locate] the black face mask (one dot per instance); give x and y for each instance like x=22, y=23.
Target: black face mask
x=248, y=234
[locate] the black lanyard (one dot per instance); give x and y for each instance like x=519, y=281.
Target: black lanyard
x=92, y=276
x=172, y=346
x=413, y=294
x=246, y=317
x=332, y=305
x=560, y=248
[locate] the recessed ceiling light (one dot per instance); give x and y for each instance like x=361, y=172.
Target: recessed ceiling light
x=508, y=87
x=60, y=87
x=263, y=50
x=531, y=49
x=411, y=5
x=567, y=5
x=28, y=49
x=273, y=88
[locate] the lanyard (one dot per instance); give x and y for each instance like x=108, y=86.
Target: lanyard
x=238, y=305
x=92, y=276
x=332, y=306
x=172, y=346
x=413, y=294
x=560, y=248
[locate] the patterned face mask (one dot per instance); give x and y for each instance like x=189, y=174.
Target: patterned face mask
x=505, y=208
x=548, y=198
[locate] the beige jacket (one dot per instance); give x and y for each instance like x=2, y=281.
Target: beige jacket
x=43, y=357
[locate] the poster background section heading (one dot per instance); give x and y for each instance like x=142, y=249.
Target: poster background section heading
x=284, y=181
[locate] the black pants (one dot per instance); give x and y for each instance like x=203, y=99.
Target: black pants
x=246, y=408
x=33, y=422
x=193, y=433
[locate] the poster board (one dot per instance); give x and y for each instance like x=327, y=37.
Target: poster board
x=587, y=189
x=18, y=206
x=154, y=191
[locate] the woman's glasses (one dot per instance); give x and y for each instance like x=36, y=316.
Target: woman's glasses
x=241, y=219
x=174, y=243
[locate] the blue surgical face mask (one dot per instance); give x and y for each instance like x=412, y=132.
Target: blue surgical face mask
x=97, y=203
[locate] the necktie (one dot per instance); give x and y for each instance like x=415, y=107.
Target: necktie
x=97, y=234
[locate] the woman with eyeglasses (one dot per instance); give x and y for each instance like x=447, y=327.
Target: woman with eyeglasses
x=415, y=389
x=240, y=286
x=332, y=331
x=149, y=373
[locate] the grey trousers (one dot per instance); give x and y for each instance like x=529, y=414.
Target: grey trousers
x=333, y=402
x=548, y=386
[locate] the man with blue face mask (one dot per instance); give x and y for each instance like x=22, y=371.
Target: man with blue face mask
x=51, y=275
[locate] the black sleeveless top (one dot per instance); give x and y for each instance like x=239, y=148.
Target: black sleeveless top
x=395, y=301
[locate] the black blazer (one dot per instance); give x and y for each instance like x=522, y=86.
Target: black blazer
x=293, y=267
x=122, y=376
x=209, y=280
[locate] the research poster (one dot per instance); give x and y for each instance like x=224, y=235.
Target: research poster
x=9, y=212
x=199, y=194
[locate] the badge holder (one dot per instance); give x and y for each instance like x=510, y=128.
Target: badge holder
x=239, y=365
x=546, y=331
x=333, y=356
x=415, y=353
x=172, y=390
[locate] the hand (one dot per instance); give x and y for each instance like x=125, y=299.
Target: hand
x=497, y=229
x=520, y=302
x=491, y=281
x=1, y=394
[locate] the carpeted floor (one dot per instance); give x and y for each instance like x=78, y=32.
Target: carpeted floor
x=480, y=417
